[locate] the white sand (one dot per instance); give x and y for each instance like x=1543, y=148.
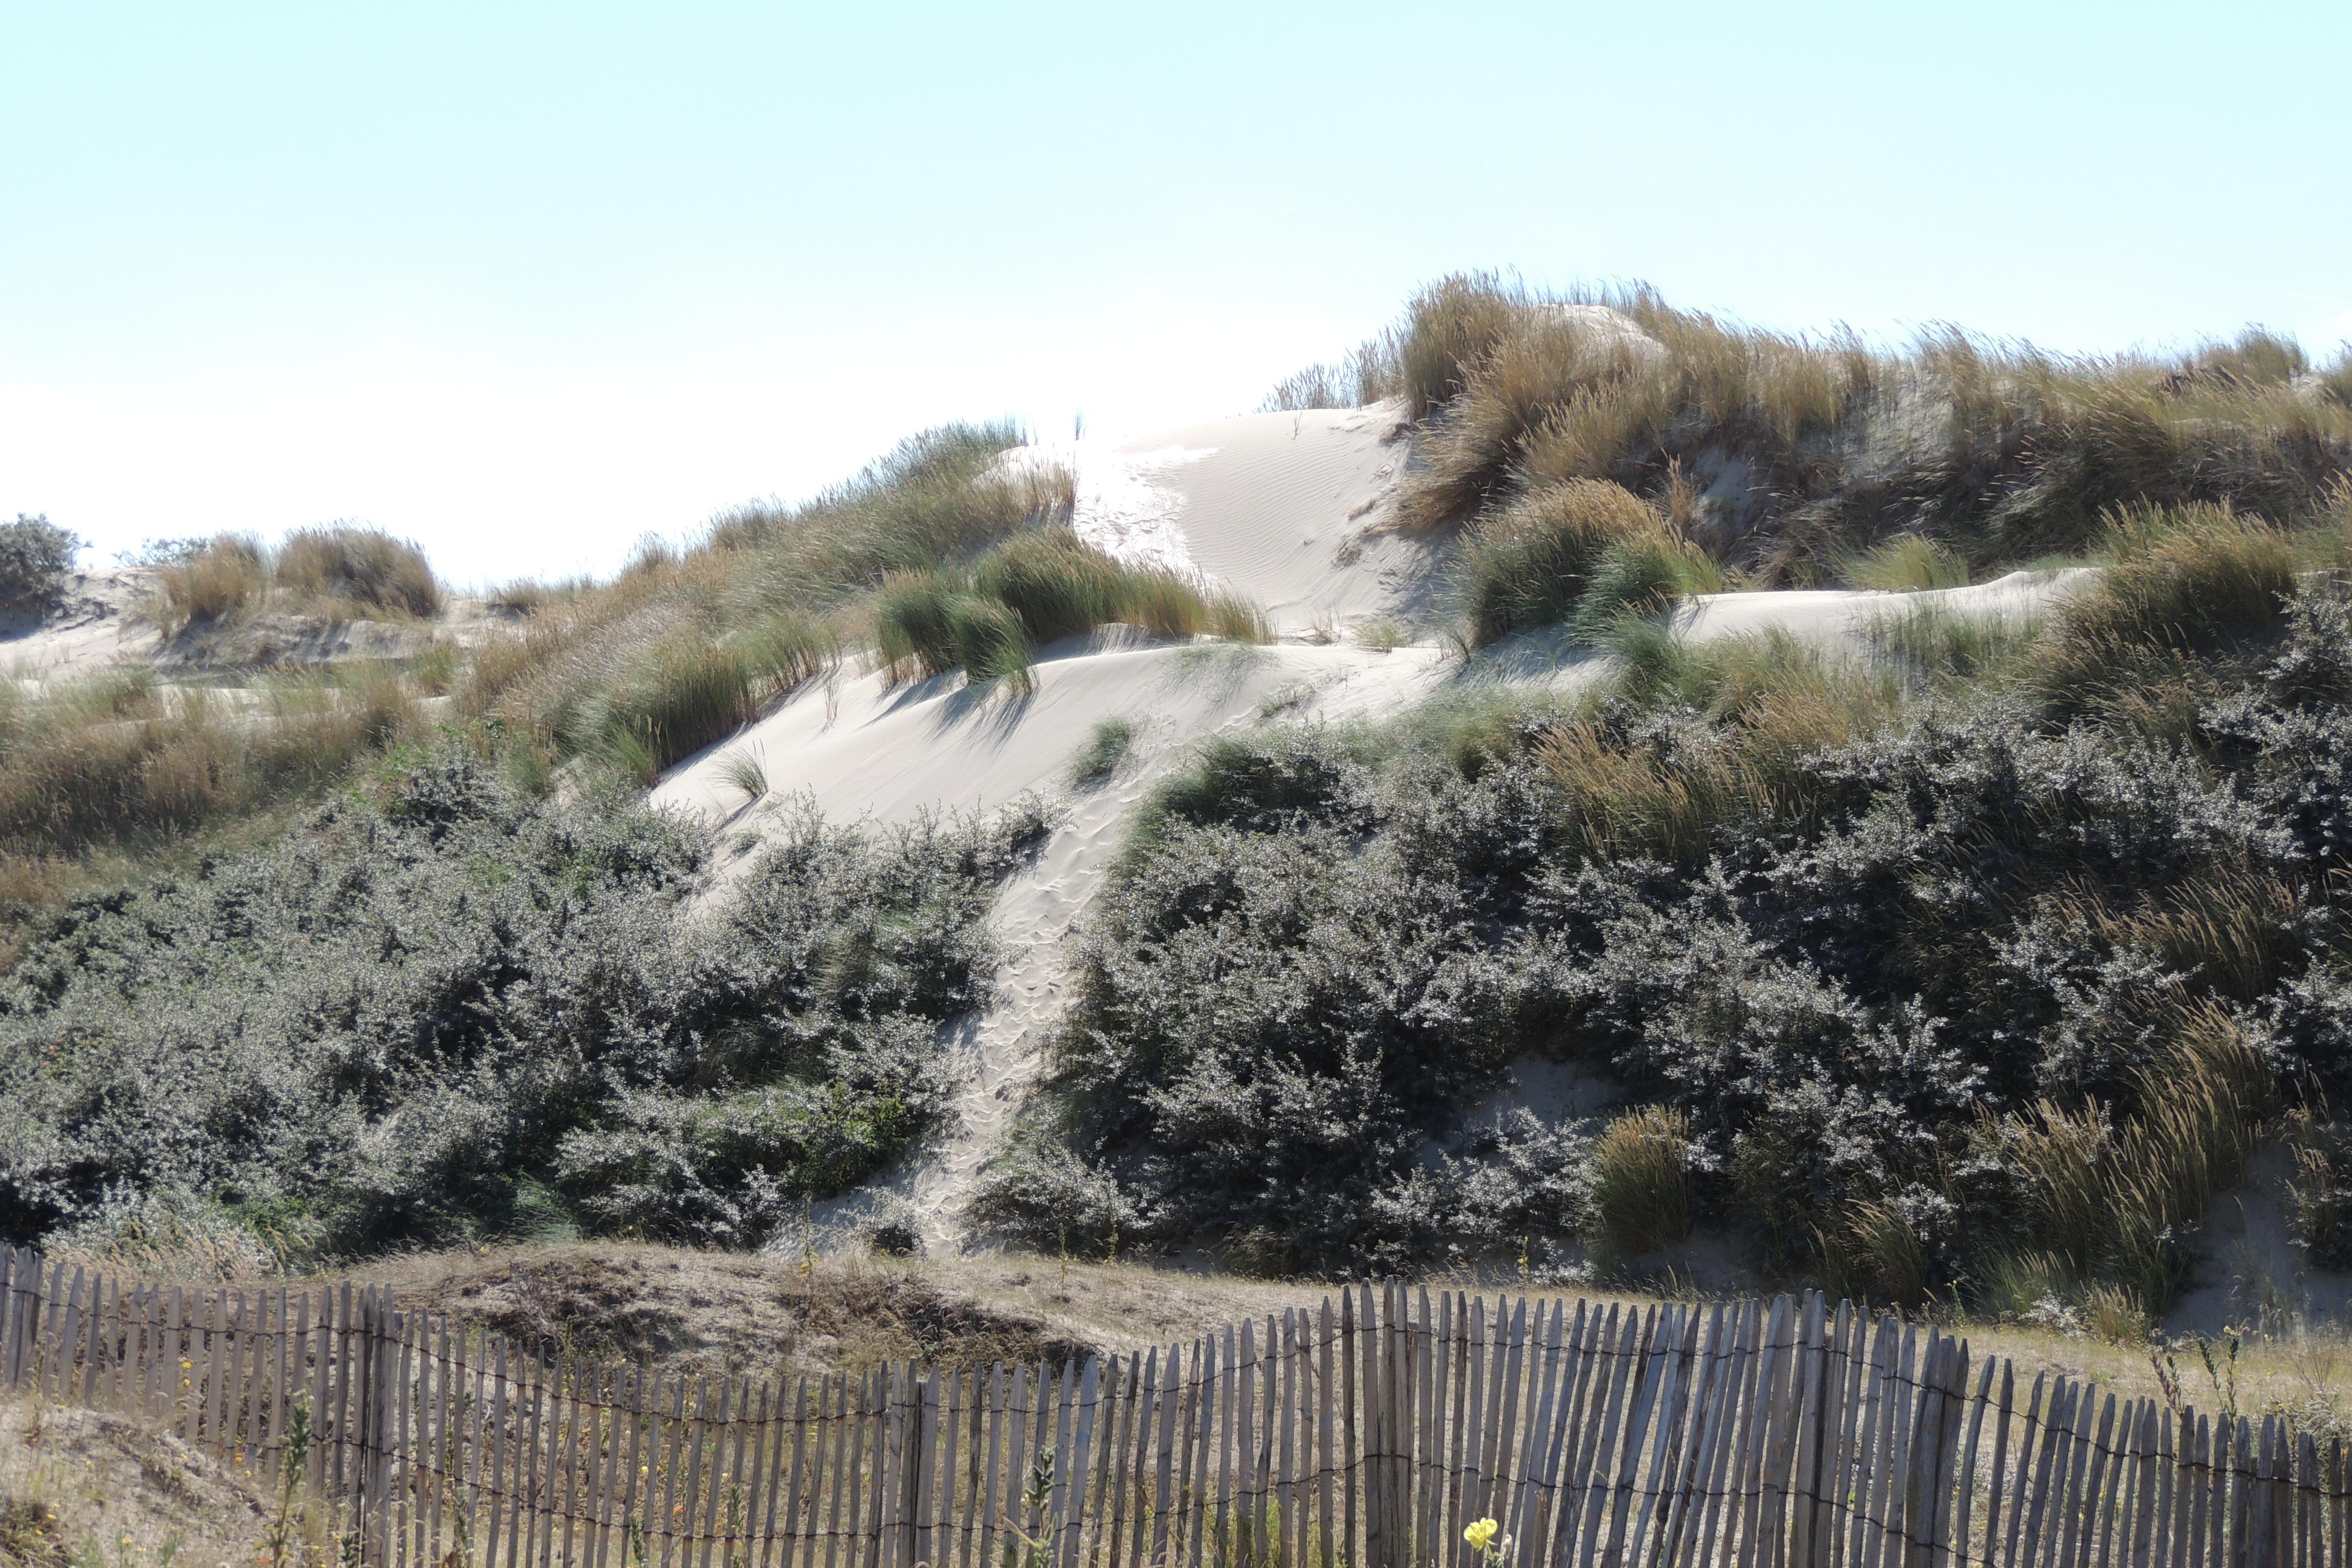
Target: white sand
x=1844, y=615
x=1285, y=509
x=90, y=630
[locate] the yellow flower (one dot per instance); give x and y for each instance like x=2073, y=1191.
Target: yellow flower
x=1479, y=1533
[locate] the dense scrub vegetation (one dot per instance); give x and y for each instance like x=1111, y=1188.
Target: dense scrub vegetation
x=35, y=556
x=1975, y=966
x=439, y=1003
x=1788, y=459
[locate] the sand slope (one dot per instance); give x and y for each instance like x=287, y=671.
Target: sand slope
x=1286, y=509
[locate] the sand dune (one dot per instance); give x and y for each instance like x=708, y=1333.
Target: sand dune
x=1285, y=509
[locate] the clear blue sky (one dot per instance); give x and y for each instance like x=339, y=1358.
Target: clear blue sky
x=525, y=281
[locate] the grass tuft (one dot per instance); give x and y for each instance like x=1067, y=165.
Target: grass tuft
x=1532, y=563
x=740, y=771
x=1907, y=564
x=2116, y=1200
x=1641, y=1181
x=216, y=583
x=1102, y=753
x=361, y=566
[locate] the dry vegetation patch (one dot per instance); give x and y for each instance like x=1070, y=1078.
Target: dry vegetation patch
x=706, y=1312
x=80, y=1486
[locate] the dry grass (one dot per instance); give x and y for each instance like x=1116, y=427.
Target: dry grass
x=225, y=579
x=1776, y=702
x=2109, y=1199
x=118, y=776
x=1794, y=458
x=359, y=566
x=338, y=572
x=2181, y=583
x=1641, y=1181
x=690, y=1310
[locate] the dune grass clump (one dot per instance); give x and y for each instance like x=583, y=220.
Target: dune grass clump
x=361, y=566
x=1637, y=576
x=689, y=695
x=1802, y=460
x=988, y=620
x=2181, y=584
x=2115, y=1197
x=1102, y=753
x=214, y=583
x=1939, y=645
x=1532, y=563
x=338, y=570
x=1693, y=743
x=783, y=592
x=1907, y=564
x=1642, y=1181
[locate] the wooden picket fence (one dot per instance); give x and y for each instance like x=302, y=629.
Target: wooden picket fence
x=1370, y=1430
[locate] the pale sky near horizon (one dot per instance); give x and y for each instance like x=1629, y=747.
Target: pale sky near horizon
x=526, y=281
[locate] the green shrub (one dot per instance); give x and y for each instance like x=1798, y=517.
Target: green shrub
x=436, y=997
x=35, y=556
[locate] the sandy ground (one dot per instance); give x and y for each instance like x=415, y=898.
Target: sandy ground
x=91, y=1486
x=93, y=626
x=1286, y=509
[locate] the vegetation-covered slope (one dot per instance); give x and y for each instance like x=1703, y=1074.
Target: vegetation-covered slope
x=438, y=1000
x=1939, y=974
